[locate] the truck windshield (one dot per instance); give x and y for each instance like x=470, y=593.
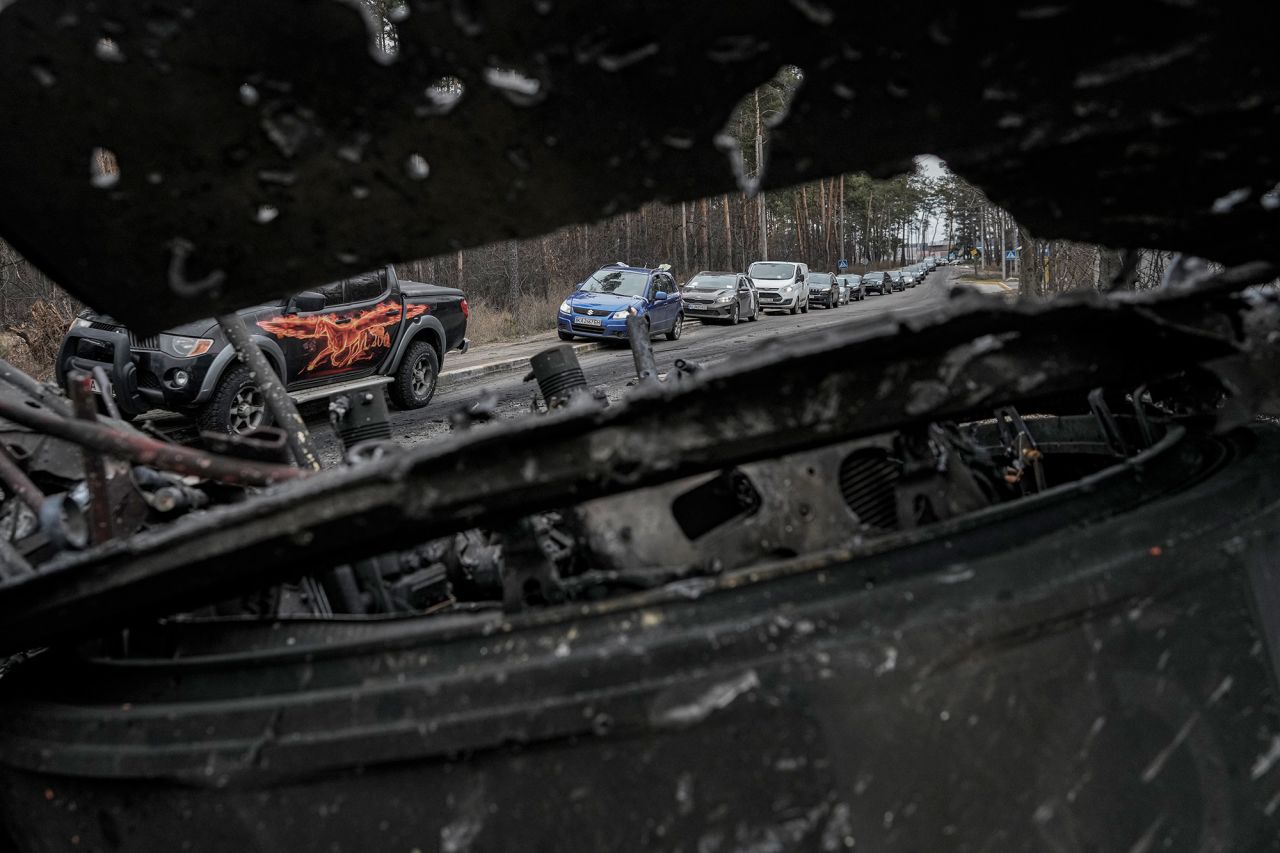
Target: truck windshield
x=618, y=282
x=771, y=271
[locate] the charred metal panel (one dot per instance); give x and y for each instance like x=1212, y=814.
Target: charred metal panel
x=264, y=147
x=816, y=703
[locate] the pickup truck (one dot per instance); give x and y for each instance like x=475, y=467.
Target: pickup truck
x=370, y=329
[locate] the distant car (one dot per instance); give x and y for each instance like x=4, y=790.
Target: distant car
x=852, y=284
x=728, y=296
x=877, y=282
x=895, y=280
x=823, y=290
x=909, y=278
x=599, y=307
x=932, y=262
x=781, y=285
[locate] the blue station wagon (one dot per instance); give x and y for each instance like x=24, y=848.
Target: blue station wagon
x=599, y=307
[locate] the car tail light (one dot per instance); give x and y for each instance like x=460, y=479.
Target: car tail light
x=466, y=309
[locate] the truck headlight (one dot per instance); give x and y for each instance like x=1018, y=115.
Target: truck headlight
x=565, y=309
x=184, y=347
x=788, y=288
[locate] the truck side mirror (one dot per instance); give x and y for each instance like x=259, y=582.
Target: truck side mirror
x=306, y=301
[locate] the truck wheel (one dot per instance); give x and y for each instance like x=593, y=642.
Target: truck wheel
x=415, y=379
x=237, y=406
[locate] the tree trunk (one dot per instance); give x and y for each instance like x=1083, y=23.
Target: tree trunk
x=704, y=235
x=728, y=236
x=684, y=236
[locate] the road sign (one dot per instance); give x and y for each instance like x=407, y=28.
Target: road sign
x=842, y=264
x=1010, y=255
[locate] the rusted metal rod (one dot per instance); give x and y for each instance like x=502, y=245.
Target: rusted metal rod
x=144, y=450
x=80, y=390
x=23, y=382
x=277, y=399
x=17, y=481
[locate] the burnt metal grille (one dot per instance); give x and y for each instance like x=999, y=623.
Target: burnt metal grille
x=867, y=480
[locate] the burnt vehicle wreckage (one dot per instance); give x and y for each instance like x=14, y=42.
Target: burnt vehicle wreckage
x=1003, y=578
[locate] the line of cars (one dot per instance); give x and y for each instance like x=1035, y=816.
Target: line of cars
x=600, y=305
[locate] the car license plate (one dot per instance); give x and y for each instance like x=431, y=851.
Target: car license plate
x=590, y=321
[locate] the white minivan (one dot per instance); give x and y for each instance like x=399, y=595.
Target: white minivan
x=781, y=284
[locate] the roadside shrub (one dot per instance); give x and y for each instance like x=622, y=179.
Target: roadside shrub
x=531, y=315
x=40, y=335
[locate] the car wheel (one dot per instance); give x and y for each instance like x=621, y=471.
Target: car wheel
x=674, y=334
x=795, y=309
x=415, y=378
x=565, y=336
x=237, y=406
x=733, y=315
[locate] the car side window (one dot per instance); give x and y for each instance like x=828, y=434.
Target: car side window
x=332, y=294
x=364, y=288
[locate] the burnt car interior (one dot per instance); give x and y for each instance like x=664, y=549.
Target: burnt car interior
x=858, y=552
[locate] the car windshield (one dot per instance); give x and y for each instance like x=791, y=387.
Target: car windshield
x=819, y=278
x=711, y=282
x=850, y=279
x=617, y=282
x=771, y=271
x=874, y=276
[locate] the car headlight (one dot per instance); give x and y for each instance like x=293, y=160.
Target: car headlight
x=622, y=315
x=724, y=299
x=565, y=309
x=788, y=288
x=80, y=323
x=184, y=347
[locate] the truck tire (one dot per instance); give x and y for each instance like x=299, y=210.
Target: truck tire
x=415, y=378
x=237, y=406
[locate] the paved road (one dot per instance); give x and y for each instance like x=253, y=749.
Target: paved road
x=613, y=367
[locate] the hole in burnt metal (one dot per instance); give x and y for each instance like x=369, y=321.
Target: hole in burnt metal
x=517, y=87
x=104, y=170
x=249, y=95
x=441, y=97
x=265, y=213
x=744, y=139
x=107, y=50
x=416, y=167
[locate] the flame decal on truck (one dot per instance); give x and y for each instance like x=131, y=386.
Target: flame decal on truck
x=348, y=338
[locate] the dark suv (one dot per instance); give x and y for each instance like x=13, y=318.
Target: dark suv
x=823, y=290
x=371, y=329
x=877, y=282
